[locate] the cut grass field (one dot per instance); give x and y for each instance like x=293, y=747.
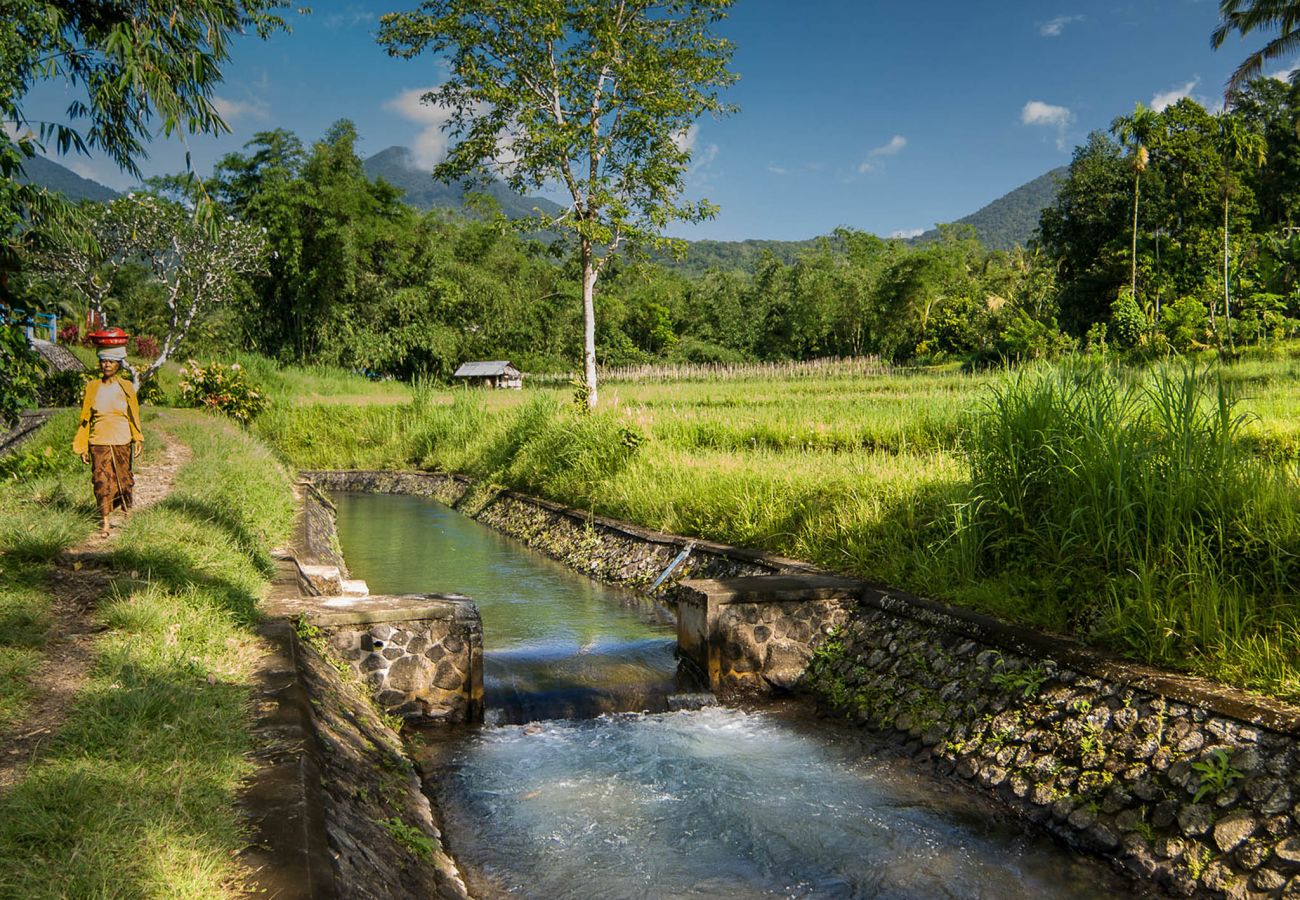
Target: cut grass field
x=135, y=793
x=872, y=475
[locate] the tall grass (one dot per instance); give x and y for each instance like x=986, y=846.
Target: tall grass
x=1134, y=507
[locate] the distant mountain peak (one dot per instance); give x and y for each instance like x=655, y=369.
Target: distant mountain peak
x=48, y=174
x=398, y=167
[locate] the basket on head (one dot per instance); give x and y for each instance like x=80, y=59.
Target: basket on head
x=108, y=337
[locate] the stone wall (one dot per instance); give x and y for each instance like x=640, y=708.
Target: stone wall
x=383, y=837
x=421, y=655
x=755, y=635
x=1200, y=801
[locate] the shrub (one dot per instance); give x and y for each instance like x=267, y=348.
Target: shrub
x=70, y=334
x=220, y=388
x=146, y=346
x=64, y=388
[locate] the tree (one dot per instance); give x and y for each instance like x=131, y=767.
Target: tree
x=1239, y=146
x=196, y=264
x=1246, y=16
x=597, y=96
x=1135, y=132
x=145, y=66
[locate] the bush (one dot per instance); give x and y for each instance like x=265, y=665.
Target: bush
x=220, y=388
x=146, y=346
x=64, y=388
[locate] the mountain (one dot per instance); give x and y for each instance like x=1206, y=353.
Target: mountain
x=1012, y=219
x=396, y=166
x=1008, y=221
x=45, y=172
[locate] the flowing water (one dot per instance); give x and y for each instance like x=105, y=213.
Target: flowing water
x=709, y=803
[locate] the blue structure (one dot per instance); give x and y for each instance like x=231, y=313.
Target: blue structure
x=34, y=324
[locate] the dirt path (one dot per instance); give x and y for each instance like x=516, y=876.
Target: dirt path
x=79, y=579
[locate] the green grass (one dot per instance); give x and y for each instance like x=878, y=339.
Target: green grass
x=1168, y=551
x=135, y=796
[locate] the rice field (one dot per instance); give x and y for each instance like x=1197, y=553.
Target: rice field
x=872, y=475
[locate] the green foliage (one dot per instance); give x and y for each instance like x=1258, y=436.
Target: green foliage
x=416, y=842
x=221, y=388
x=1138, y=489
x=21, y=373
x=1217, y=775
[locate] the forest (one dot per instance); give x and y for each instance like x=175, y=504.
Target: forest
x=352, y=276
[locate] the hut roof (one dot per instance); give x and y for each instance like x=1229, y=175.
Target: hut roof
x=484, y=369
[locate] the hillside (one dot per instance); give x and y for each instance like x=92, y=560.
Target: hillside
x=1008, y=221
x=47, y=173
x=1012, y=219
x=396, y=166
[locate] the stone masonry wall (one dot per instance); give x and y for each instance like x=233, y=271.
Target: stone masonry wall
x=1201, y=802
x=423, y=662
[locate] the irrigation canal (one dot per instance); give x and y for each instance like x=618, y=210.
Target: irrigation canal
x=583, y=783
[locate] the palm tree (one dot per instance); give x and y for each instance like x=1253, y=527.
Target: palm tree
x=1135, y=132
x=1238, y=146
x=1245, y=16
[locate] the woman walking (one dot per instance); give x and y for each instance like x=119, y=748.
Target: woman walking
x=109, y=435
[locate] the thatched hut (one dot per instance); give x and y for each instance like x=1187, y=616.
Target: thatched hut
x=495, y=374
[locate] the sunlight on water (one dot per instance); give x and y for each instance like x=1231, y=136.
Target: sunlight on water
x=724, y=803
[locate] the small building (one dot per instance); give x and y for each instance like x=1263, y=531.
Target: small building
x=497, y=374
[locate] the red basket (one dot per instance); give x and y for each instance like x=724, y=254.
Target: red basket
x=109, y=337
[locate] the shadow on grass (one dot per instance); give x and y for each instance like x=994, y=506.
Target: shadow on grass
x=173, y=571
x=249, y=543
x=133, y=798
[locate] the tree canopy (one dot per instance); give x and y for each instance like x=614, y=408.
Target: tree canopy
x=598, y=98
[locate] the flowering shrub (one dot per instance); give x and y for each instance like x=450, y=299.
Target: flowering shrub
x=146, y=346
x=220, y=388
x=69, y=334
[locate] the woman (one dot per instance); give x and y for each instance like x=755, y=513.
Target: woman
x=109, y=435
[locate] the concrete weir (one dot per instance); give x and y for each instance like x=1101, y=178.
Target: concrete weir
x=751, y=635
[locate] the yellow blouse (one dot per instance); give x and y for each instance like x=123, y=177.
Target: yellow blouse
x=103, y=422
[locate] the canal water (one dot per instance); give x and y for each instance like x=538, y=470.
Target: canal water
x=582, y=786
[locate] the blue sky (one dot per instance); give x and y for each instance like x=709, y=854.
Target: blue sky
x=882, y=116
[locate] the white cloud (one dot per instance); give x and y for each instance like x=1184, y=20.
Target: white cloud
x=349, y=18
x=431, y=143
x=1036, y=112
x=907, y=233
x=1162, y=100
x=1054, y=27
x=1284, y=74
x=234, y=110
x=685, y=139
x=775, y=169
x=892, y=148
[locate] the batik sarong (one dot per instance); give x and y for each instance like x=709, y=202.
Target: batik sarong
x=110, y=474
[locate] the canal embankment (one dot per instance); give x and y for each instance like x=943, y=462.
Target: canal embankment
x=1189, y=784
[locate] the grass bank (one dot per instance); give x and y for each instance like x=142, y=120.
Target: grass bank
x=135, y=795
x=889, y=477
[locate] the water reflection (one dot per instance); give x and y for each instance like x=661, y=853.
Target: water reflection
x=555, y=642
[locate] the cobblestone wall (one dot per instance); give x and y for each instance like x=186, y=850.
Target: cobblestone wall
x=1198, y=801
x=421, y=655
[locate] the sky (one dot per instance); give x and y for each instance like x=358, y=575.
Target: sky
x=882, y=116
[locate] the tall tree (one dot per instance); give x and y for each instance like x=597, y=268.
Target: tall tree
x=1247, y=16
x=1135, y=132
x=597, y=96
x=1239, y=146
x=144, y=66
